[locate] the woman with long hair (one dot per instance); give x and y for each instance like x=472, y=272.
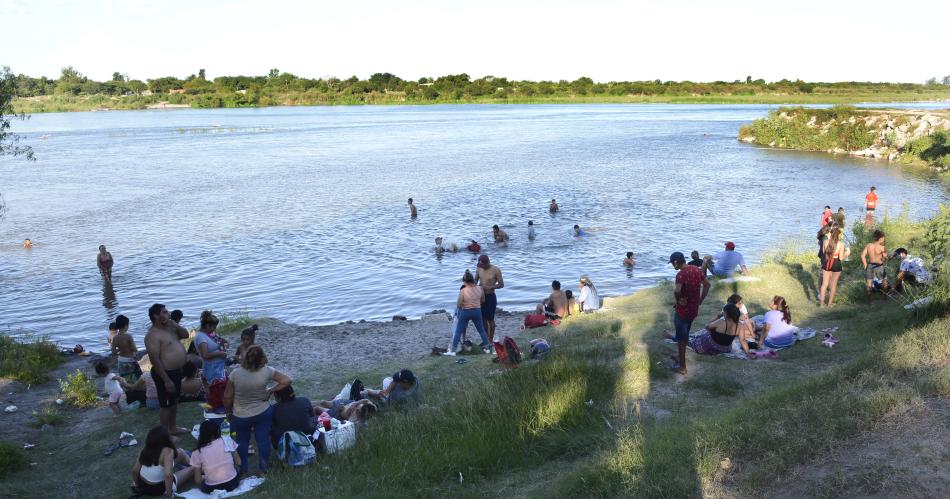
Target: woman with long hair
x=154, y=471
x=211, y=347
x=247, y=402
x=589, y=300
x=778, y=331
x=834, y=251
x=469, y=304
x=215, y=463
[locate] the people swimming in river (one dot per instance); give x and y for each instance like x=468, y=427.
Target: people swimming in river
x=474, y=247
x=501, y=237
x=553, y=207
x=629, y=261
x=578, y=232
x=531, y=229
x=413, y=213
x=104, y=262
x=27, y=243
x=439, y=249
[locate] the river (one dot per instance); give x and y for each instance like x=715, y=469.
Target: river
x=300, y=213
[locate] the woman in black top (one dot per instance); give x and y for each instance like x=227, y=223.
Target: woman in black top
x=291, y=413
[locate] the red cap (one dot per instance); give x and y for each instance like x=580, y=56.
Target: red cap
x=730, y=245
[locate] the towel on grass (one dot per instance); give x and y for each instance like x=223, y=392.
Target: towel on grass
x=741, y=278
x=246, y=485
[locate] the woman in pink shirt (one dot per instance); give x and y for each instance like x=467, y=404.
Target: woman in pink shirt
x=215, y=459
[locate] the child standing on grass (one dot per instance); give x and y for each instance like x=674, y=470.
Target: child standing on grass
x=112, y=386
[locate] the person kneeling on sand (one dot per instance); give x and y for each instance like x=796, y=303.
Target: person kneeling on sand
x=401, y=387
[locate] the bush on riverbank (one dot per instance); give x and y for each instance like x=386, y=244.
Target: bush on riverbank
x=933, y=149
x=79, y=390
x=810, y=129
x=28, y=362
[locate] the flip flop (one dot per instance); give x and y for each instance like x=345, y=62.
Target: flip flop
x=461, y=361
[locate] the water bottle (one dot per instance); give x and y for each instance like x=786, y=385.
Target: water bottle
x=225, y=429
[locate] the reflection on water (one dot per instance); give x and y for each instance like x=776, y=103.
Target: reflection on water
x=300, y=213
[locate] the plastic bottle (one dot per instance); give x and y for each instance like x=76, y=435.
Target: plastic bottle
x=225, y=429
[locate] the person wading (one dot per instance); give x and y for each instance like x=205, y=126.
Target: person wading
x=490, y=279
x=167, y=354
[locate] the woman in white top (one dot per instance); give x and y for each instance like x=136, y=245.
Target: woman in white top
x=154, y=471
x=778, y=331
x=588, y=301
x=247, y=402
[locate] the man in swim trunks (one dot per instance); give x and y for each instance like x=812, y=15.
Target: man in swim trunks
x=870, y=200
x=490, y=278
x=167, y=354
x=501, y=237
x=873, y=258
x=123, y=346
x=557, y=301
x=104, y=262
x=553, y=208
x=412, y=209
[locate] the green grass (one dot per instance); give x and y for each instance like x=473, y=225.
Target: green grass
x=49, y=415
x=79, y=390
x=28, y=362
x=602, y=416
x=234, y=322
x=12, y=459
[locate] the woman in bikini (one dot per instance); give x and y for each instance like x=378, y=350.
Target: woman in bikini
x=834, y=251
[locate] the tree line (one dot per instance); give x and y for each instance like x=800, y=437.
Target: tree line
x=276, y=86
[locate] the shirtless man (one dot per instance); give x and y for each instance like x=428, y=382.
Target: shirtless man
x=629, y=261
x=553, y=208
x=123, y=345
x=558, y=300
x=104, y=262
x=167, y=354
x=439, y=249
x=490, y=278
x=27, y=244
x=873, y=258
x=412, y=209
x=501, y=237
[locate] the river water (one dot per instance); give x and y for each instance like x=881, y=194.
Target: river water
x=300, y=213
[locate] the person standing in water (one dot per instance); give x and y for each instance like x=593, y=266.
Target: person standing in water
x=531, y=229
x=826, y=216
x=412, y=209
x=501, y=237
x=490, y=279
x=167, y=354
x=629, y=261
x=553, y=208
x=104, y=262
x=870, y=205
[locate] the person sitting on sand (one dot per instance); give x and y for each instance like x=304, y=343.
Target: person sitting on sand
x=746, y=326
x=474, y=247
x=153, y=473
x=912, y=270
x=469, y=304
x=112, y=386
x=291, y=413
x=27, y=243
x=578, y=232
x=354, y=411
x=570, y=301
x=589, y=301
x=146, y=383
x=629, y=261
x=104, y=262
x=413, y=213
x=403, y=386
x=215, y=462
x=553, y=207
x=719, y=333
x=123, y=346
x=501, y=237
x=725, y=262
x=557, y=301
x=531, y=233
x=778, y=331
x=439, y=249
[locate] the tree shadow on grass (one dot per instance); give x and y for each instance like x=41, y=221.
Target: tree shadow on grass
x=807, y=279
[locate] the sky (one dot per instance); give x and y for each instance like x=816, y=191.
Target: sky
x=607, y=40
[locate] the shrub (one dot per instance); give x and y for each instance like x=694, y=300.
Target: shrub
x=79, y=390
x=28, y=362
x=11, y=459
x=233, y=323
x=938, y=232
x=49, y=415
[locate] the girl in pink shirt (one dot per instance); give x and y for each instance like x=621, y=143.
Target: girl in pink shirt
x=215, y=459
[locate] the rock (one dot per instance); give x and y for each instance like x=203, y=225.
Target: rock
x=439, y=311
x=362, y=321
x=10, y=409
x=399, y=318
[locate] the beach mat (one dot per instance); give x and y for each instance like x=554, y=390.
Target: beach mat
x=247, y=485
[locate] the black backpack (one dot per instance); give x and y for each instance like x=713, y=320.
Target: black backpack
x=355, y=389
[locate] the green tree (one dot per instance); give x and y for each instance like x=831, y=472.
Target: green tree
x=201, y=74
x=70, y=81
x=10, y=141
x=931, y=81
x=273, y=73
x=946, y=80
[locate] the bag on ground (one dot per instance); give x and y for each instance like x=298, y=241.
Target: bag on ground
x=539, y=348
x=296, y=449
x=512, y=350
x=535, y=320
x=339, y=438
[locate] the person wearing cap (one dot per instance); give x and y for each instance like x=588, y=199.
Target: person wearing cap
x=912, y=269
x=401, y=387
x=489, y=278
x=688, y=297
x=501, y=237
x=726, y=262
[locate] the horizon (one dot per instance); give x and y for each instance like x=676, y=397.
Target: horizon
x=530, y=41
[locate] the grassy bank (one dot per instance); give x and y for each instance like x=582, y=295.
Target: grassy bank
x=603, y=417
x=28, y=361
x=67, y=103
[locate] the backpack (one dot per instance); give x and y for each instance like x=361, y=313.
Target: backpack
x=296, y=449
x=512, y=351
x=539, y=348
x=535, y=320
x=356, y=389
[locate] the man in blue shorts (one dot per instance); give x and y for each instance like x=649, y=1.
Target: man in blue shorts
x=688, y=298
x=490, y=279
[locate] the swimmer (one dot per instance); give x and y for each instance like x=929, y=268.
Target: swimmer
x=438, y=246
x=474, y=247
x=27, y=244
x=530, y=229
x=578, y=232
x=501, y=237
x=553, y=208
x=629, y=261
x=412, y=209
x=104, y=262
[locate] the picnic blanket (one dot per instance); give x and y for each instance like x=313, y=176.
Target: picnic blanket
x=246, y=485
x=801, y=334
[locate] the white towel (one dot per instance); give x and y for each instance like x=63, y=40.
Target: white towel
x=246, y=485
